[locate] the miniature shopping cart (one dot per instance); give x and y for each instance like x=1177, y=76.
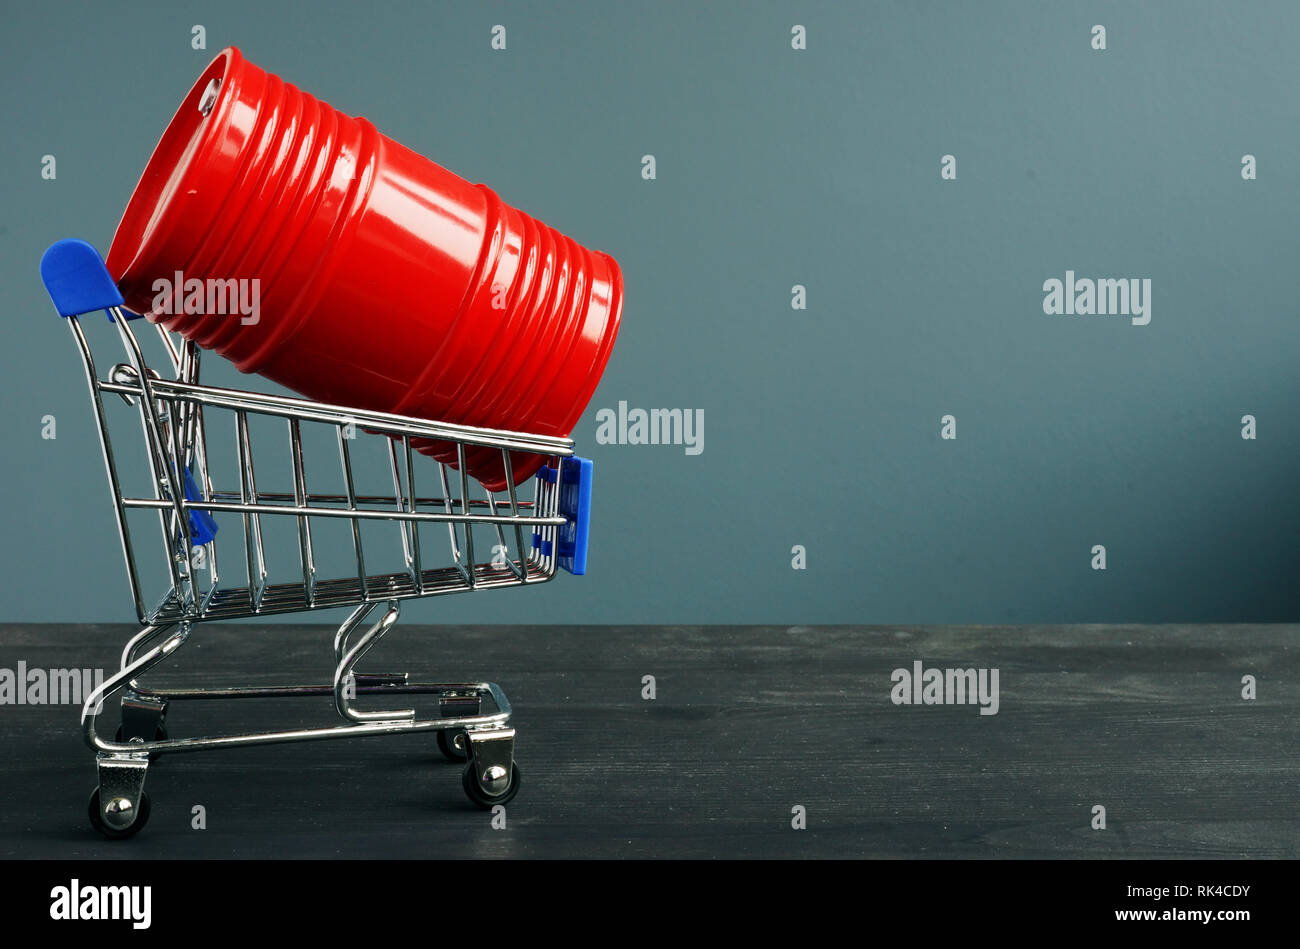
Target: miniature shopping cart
x=435, y=531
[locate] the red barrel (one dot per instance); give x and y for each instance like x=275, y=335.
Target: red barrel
x=383, y=280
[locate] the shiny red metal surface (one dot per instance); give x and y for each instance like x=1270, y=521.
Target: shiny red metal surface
x=385, y=281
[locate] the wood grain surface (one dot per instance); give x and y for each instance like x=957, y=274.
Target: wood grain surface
x=748, y=722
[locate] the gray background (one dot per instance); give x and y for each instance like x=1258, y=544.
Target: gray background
x=778, y=167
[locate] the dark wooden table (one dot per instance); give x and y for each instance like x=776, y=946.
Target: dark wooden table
x=748, y=722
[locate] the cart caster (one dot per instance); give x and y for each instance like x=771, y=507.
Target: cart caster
x=122, y=819
x=491, y=777
x=476, y=792
x=451, y=742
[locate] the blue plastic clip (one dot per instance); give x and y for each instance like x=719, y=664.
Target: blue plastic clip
x=203, y=529
x=575, y=506
x=77, y=280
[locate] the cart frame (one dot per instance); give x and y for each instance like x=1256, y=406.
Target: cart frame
x=176, y=417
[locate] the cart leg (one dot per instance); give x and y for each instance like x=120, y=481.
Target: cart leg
x=491, y=777
x=119, y=807
x=347, y=657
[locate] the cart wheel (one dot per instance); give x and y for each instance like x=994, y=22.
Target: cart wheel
x=159, y=734
x=117, y=833
x=453, y=747
x=484, y=800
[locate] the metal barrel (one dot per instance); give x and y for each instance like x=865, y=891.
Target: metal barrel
x=306, y=246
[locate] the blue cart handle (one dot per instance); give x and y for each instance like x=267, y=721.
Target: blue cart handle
x=575, y=507
x=77, y=280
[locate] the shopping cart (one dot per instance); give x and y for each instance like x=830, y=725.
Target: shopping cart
x=528, y=537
